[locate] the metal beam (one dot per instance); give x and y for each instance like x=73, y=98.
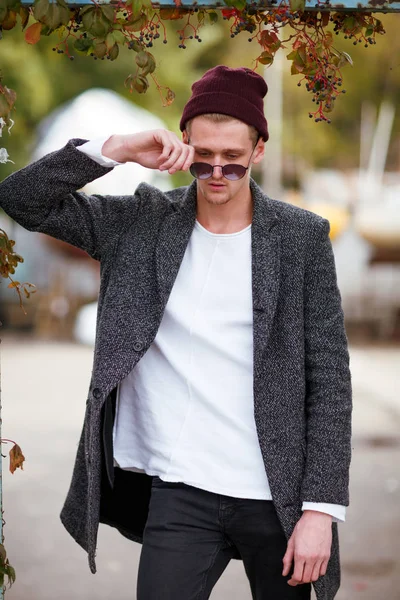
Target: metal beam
x=343, y=5
x=380, y=6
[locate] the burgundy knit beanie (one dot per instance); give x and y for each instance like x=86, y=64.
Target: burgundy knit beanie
x=238, y=93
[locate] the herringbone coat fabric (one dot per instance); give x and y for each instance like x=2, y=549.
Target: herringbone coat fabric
x=302, y=386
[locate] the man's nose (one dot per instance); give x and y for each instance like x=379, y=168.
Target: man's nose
x=217, y=172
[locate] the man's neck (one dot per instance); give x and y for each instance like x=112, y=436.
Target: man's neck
x=226, y=218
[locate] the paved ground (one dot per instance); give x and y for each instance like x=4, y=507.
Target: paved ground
x=44, y=392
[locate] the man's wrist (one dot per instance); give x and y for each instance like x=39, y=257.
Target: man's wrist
x=114, y=148
x=319, y=513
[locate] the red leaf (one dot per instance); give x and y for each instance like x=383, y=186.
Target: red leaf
x=32, y=34
x=229, y=12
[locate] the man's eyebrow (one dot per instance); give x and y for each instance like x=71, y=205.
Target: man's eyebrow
x=223, y=151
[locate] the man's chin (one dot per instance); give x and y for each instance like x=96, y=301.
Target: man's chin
x=217, y=200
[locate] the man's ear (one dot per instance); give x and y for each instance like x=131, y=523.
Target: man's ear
x=259, y=152
x=185, y=137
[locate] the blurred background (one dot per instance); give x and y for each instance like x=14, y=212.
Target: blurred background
x=348, y=171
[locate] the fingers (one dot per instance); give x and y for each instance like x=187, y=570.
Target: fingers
x=184, y=161
x=324, y=567
x=175, y=154
x=288, y=558
x=316, y=572
x=297, y=576
x=307, y=571
x=309, y=568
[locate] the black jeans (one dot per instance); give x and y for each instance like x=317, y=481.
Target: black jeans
x=191, y=535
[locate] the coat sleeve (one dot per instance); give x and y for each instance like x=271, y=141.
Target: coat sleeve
x=328, y=380
x=43, y=197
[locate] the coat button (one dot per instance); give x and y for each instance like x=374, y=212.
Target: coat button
x=138, y=346
x=97, y=393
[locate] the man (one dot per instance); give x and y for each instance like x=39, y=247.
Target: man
x=218, y=418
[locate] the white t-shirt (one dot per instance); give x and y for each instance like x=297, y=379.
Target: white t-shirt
x=186, y=411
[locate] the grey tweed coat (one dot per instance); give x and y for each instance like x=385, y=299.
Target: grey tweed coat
x=302, y=388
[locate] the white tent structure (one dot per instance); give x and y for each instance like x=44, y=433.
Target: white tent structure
x=99, y=113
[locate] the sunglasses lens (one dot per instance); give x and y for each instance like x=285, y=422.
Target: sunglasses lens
x=234, y=172
x=201, y=170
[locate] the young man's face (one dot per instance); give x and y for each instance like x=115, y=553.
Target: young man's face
x=221, y=144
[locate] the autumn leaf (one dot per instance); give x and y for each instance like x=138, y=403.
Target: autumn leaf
x=171, y=14
x=229, y=12
x=32, y=34
x=16, y=458
x=170, y=97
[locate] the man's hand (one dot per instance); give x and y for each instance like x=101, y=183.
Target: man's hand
x=156, y=149
x=309, y=547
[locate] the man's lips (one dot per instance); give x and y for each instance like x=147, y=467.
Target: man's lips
x=216, y=186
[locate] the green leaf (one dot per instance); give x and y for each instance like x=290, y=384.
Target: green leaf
x=10, y=571
x=142, y=59
x=342, y=59
x=100, y=49
x=239, y=4
x=136, y=6
x=3, y=12
x=301, y=57
x=150, y=66
x=40, y=9
x=53, y=18
x=138, y=23
x=113, y=53
x=108, y=12
x=100, y=26
x=14, y=5
x=349, y=23
x=87, y=18
x=118, y=36
x=297, y=5
x=3, y=553
x=82, y=44
x=213, y=17
x=294, y=70
x=347, y=58
x=86, y=9
x=266, y=58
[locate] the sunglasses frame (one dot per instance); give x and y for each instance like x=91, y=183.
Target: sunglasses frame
x=222, y=167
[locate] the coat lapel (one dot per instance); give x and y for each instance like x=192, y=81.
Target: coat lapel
x=266, y=250
x=173, y=239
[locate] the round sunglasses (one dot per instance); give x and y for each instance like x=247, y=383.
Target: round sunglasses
x=201, y=170
x=233, y=172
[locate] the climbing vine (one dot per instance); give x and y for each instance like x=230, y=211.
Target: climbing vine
x=101, y=30
x=9, y=261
